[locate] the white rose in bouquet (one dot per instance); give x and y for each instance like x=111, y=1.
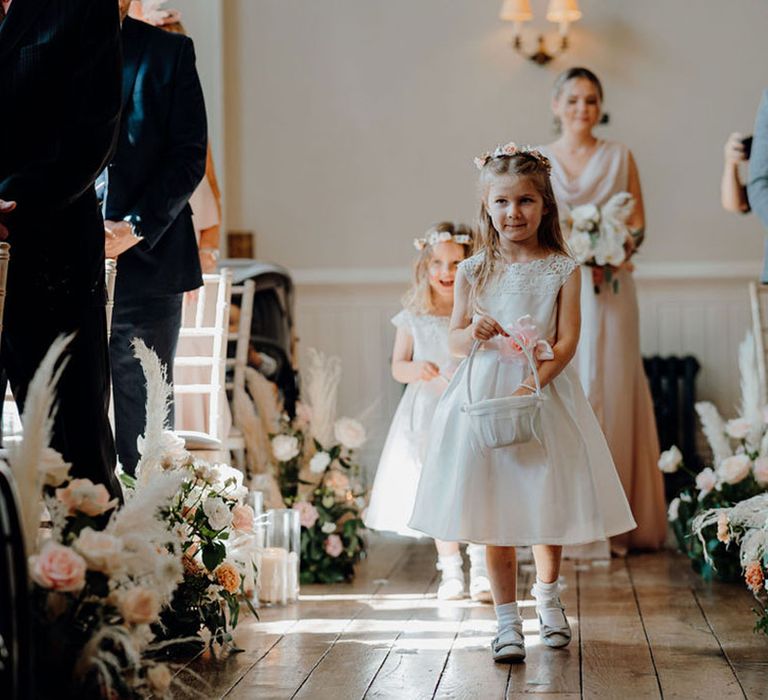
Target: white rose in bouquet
x=319, y=463
x=734, y=469
x=674, y=508
x=760, y=470
x=706, y=480
x=53, y=467
x=670, y=460
x=349, y=433
x=285, y=447
x=581, y=246
x=103, y=552
x=585, y=218
x=218, y=513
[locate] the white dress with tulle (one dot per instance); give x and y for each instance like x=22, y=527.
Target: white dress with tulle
x=564, y=490
x=397, y=476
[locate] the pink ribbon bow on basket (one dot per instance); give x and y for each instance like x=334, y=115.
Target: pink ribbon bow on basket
x=524, y=333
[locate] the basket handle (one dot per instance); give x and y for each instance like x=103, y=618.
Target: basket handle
x=526, y=352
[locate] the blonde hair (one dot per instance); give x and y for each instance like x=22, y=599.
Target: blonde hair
x=549, y=235
x=419, y=298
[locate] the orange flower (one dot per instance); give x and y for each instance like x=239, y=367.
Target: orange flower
x=723, y=535
x=228, y=577
x=754, y=577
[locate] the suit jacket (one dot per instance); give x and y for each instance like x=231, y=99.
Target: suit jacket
x=159, y=161
x=60, y=101
x=757, y=190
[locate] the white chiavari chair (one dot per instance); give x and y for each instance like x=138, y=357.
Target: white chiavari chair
x=207, y=319
x=758, y=296
x=245, y=292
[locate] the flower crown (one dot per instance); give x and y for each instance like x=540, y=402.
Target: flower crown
x=435, y=237
x=512, y=149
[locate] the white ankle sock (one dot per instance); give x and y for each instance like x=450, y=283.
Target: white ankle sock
x=451, y=565
x=548, y=603
x=507, y=614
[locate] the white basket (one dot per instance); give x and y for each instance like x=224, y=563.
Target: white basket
x=508, y=420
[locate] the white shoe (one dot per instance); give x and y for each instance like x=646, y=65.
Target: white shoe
x=508, y=647
x=452, y=583
x=558, y=635
x=480, y=586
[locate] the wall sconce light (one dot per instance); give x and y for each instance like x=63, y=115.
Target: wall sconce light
x=561, y=12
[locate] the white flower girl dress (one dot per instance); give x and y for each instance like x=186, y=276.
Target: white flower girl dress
x=397, y=476
x=562, y=490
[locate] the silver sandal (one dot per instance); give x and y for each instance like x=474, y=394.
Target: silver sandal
x=554, y=637
x=508, y=647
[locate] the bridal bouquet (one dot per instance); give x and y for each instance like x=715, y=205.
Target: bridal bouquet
x=598, y=237
x=318, y=474
x=739, y=472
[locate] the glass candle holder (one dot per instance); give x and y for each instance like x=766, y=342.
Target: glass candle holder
x=279, y=560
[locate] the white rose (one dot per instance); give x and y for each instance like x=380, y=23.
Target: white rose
x=285, y=447
x=581, y=246
x=228, y=481
x=615, y=254
x=53, y=467
x=101, y=551
x=328, y=528
x=319, y=463
x=674, y=507
x=585, y=217
x=706, y=480
x=738, y=428
x=669, y=462
x=349, y=433
x=734, y=469
x=218, y=513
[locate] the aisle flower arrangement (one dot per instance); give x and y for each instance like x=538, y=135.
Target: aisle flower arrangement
x=116, y=587
x=739, y=471
x=599, y=237
x=746, y=525
x=318, y=474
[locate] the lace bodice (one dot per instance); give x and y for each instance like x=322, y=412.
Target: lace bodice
x=430, y=336
x=523, y=288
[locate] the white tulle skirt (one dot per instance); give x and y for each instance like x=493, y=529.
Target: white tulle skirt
x=562, y=491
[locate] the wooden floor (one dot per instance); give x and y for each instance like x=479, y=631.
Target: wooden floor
x=644, y=627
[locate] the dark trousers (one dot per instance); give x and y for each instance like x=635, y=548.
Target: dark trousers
x=156, y=320
x=81, y=431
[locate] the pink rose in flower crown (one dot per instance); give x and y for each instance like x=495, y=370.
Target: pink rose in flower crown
x=58, y=568
x=524, y=334
x=334, y=546
x=760, y=470
x=308, y=514
x=82, y=495
x=242, y=518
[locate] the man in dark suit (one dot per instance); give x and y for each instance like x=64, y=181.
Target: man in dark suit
x=60, y=102
x=159, y=161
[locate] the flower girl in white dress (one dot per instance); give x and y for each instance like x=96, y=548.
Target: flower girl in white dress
x=422, y=361
x=517, y=300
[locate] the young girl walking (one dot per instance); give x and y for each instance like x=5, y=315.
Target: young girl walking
x=519, y=297
x=421, y=360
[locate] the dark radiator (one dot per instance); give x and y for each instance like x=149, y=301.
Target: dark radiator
x=673, y=387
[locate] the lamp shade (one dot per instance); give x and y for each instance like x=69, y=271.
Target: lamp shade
x=516, y=11
x=563, y=11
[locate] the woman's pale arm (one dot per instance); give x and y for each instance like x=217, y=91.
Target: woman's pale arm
x=733, y=193
x=636, y=222
x=568, y=329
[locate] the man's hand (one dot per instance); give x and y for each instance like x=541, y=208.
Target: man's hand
x=5, y=209
x=118, y=237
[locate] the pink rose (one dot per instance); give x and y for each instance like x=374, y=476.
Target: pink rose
x=86, y=497
x=242, y=518
x=705, y=482
x=308, y=514
x=760, y=470
x=139, y=606
x=334, y=546
x=58, y=567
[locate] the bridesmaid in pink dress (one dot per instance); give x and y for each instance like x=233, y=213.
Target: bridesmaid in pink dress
x=586, y=169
